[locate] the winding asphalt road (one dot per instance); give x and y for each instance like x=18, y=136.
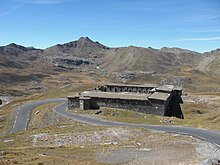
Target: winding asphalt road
x=22, y=119
x=22, y=113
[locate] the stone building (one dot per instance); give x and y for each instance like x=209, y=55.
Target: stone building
x=127, y=88
x=152, y=99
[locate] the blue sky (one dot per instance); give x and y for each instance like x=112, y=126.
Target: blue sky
x=190, y=24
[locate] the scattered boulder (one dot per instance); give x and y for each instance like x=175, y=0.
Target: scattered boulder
x=176, y=81
x=98, y=112
x=126, y=76
x=69, y=63
x=211, y=162
x=167, y=120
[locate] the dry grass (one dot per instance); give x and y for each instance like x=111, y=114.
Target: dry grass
x=22, y=151
x=199, y=115
x=7, y=113
x=44, y=156
x=38, y=114
x=121, y=115
x=58, y=86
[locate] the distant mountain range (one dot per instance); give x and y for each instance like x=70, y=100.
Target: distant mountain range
x=18, y=63
x=87, y=52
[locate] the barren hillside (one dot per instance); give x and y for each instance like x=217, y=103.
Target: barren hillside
x=211, y=63
x=19, y=64
x=148, y=60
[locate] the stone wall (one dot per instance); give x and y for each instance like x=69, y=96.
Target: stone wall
x=143, y=106
x=73, y=102
x=125, y=89
x=158, y=105
x=85, y=103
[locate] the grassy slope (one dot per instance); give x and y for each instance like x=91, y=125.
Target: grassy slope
x=196, y=115
x=70, y=83
x=21, y=151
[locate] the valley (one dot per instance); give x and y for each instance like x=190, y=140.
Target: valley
x=28, y=75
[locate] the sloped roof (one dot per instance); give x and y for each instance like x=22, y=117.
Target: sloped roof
x=166, y=88
x=122, y=95
x=159, y=96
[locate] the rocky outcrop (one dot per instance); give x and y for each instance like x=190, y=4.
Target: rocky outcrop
x=70, y=63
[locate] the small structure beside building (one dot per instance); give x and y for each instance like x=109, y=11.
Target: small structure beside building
x=152, y=99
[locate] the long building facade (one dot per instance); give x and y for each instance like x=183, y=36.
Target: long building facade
x=151, y=99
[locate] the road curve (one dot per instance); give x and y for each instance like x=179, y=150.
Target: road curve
x=22, y=115
x=22, y=118
x=207, y=135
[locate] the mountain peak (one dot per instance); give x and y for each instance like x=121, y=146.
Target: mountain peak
x=176, y=50
x=216, y=51
x=12, y=44
x=16, y=46
x=85, y=38
x=87, y=42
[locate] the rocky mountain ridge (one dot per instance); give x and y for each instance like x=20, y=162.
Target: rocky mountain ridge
x=123, y=62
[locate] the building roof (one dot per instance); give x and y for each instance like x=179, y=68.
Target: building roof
x=123, y=95
x=85, y=98
x=166, y=88
x=159, y=96
x=158, y=93
x=178, y=88
x=111, y=95
x=134, y=85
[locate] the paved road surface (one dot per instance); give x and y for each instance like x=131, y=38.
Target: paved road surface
x=208, y=135
x=23, y=116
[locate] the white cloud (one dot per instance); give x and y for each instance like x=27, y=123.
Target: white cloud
x=201, y=39
x=10, y=10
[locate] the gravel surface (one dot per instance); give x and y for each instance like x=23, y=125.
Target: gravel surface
x=135, y=146
x=208, y=152
x=120, y=155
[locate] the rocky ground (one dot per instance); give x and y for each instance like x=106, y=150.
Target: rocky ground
x=135, y=146
x=52, y=137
